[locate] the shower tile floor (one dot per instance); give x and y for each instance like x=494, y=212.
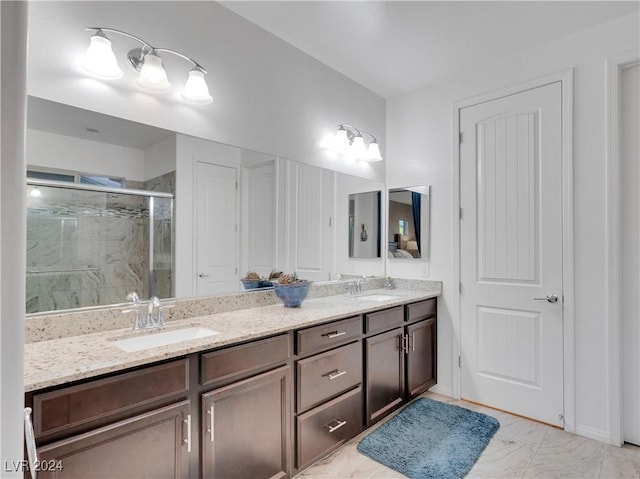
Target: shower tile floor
x=520, y=449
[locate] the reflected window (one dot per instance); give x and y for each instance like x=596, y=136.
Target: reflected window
x=403, y=227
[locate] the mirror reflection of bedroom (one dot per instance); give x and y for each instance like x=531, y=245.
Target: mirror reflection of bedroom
x=408, y=222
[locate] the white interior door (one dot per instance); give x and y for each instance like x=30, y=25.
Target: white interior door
x=216, y=229
x=310, y=205
x=511, y=253
x=261, y=218
x=630, y=284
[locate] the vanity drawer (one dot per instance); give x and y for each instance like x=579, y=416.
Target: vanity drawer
x=383, y=320
x=102, y=401
x=328, y=335
x=242, y=361
x=421, y=310
x=328, y=426
x=327, y=374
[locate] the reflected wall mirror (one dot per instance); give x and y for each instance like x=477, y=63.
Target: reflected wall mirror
x=408, y=224
x=365, y=224
x=90, y=248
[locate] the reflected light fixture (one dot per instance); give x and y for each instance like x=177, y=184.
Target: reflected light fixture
x=100, y=61
x=349, y=141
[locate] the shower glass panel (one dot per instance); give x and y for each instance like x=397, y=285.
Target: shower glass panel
x=90, y=246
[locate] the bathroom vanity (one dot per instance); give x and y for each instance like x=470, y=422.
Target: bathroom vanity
x=274, y=391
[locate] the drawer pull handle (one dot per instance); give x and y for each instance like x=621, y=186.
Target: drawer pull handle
x=412, y=341
x=337, y=426
x=335, y=334
x=335, y=374
x=210, y=429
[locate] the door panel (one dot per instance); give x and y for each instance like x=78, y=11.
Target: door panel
x=511, y=253
x=217, y=238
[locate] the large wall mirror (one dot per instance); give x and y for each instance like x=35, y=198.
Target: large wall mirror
x=113, y=208
x=408, y=224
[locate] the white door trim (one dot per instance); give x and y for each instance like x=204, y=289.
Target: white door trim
x=614, y=67
x=566, y=78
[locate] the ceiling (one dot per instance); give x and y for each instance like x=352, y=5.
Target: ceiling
x=392, y=47
x=66, y=120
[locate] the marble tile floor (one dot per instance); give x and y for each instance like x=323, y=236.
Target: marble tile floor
x=520, y=449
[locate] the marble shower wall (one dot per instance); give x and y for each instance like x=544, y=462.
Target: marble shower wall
x=88, y=248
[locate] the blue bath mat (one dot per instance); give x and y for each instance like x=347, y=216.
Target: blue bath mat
x=431, y=440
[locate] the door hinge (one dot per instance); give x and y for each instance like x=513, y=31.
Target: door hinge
x=460, y=214
x=236, y=185
x=236, y=270
x=329, y=221
x=459, y=361
x=460, y=287
x=460, y=138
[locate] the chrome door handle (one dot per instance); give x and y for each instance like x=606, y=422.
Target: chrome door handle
x=551, y=298
x=203, y=275
x=32, y=453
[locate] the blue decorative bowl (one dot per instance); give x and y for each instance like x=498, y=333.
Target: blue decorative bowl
x=292, y=295
x=256, y=283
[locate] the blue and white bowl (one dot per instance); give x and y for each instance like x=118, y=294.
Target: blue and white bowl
x=292, y=295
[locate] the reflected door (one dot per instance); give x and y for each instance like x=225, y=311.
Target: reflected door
x=511, y=253
x=217, y=236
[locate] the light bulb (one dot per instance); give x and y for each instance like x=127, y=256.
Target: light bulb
x=373, y=153
x=341, y=141
x=358, y=151
x=196, y=90
x=152, y=75
x=35, y=192
x=99, y=59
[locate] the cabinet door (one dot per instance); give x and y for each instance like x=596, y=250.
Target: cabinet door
x=152, y=445
x=385, y=374
x=246, y=428
x=421, y=357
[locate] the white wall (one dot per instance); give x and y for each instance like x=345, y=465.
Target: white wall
x=84, y=156
x=160, y=158
x=419, y=129
x=268, y=96
x=13, y=46
x=345, y=186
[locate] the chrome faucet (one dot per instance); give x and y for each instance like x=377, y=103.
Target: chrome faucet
x=355, y=287
x=154, y=317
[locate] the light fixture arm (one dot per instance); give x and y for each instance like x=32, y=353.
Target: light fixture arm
x=101, y=30
x=351, y=130
x=146, y=48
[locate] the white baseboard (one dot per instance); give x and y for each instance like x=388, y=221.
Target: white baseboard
x=595, y=434
x=442, y=390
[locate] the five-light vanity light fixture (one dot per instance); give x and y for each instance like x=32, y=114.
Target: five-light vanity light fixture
x=100, y=61
x=350, y=142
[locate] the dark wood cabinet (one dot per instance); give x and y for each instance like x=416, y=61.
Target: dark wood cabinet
x=385, y=379
x=329, y=399
x=246, y=428
x=239, y=411
x=400, y=363
x=150, y=445
x=421, y=357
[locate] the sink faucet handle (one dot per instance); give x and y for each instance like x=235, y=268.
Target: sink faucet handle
x=161, y=320
x=133, y=296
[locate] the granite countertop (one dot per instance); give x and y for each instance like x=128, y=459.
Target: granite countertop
x=59, y=361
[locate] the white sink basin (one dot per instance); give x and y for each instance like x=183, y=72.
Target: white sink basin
x=164, y=338
x=377, y=297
